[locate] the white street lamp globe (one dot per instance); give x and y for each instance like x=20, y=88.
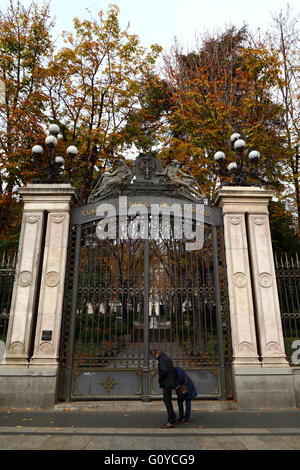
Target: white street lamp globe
x=254, y=155
x=232, y=166
x=59, y=160
x=37, y=150
x=51, y=140
x=54, y=129
x=239, y=144
x=219, y=156
x=72, y=150
x=234, y=137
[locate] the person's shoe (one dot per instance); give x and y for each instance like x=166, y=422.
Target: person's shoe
x=167, y=426
x=179, y=421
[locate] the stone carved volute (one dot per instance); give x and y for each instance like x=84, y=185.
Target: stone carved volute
x=235, y=220
x=32, y=219
x=46, y=348
x=16, y=348
x=259, y=220
x=245, y=347
x=58, y=219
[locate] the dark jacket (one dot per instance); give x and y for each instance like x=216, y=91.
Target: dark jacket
x=179, y=377
x=165, y=371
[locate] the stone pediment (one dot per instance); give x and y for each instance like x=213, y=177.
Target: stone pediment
x=147, y=174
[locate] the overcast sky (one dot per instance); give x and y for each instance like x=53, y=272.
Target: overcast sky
x=159, y=21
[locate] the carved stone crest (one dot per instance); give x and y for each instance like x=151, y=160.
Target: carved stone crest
x=147, y=166
x=146, y=170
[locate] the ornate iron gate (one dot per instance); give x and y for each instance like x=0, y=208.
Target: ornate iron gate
x=126, y=297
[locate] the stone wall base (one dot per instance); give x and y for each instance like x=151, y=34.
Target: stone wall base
x=28, y=387
x=296, y=377
x=265, y=388
x=254, y=388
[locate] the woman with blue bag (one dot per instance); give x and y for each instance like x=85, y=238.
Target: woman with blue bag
x=182, y=379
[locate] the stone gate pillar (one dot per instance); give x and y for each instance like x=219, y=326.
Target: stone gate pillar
x=243, y=331
x=25, y=286
x=36, y=307
x=261, y=374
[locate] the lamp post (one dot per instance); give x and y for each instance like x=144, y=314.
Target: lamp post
x=55, y=162
x=240, y=170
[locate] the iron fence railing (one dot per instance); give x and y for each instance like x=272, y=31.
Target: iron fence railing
x=7, y=275
x=288, y=283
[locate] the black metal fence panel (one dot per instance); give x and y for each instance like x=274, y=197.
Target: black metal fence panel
x=288, y=284
x=7, y=275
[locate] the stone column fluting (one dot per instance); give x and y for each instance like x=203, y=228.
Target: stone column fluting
x=46, y=349
x=271, y=344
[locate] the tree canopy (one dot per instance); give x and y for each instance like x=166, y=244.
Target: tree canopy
x=104, y=90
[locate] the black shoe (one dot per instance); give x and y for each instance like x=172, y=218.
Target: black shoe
x=167, y=426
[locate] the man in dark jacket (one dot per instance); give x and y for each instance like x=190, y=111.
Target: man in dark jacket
x=166, y=382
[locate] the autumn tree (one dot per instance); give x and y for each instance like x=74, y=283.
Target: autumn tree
x=25, y=47
x=92, y=87
x=94, y=84
x=225, y=85
x=283, y=230
x=285, y=37
x=147, y=123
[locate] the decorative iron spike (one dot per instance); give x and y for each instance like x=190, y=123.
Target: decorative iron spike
x=3, y=260
x=287, y=261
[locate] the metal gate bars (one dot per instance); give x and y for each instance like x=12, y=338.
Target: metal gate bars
x=125, y=298
x=7, y=275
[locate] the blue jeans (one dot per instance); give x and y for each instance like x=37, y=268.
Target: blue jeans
x=188, y=406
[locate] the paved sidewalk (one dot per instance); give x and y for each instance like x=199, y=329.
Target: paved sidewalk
x=136, y=426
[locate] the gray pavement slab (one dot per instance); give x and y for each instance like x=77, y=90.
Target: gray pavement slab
x=230, y=443
x=139, y=429
x=288, y=420
x=252, y=443
x=209, y=443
